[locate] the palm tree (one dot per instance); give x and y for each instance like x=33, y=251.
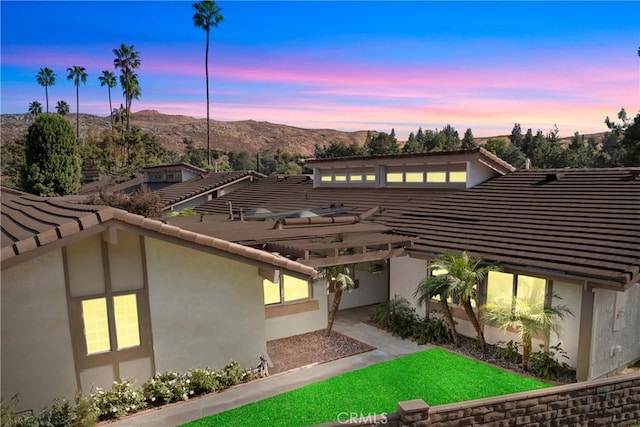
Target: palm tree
x=463, y=275
x=127, y=60
x=527, y=320
x=439, y=285
x=35, y=108
x=46, y=77
x=78, y=74
x=207, y=14
x=108, y=79
x=340, y=276
x=62, y=108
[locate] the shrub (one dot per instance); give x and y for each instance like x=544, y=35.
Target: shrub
x=396, y=316
x=203, y=381
x=143, y=202
x=61, y=413
x=545, y=364
x=166, y=387
x=507, y=351
x=120, y=400
x=234, y=374
x=431, y=330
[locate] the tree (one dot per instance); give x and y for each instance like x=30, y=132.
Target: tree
x=127, y=60
x=108, y=79
x=35, y=108
x=412, y=145
x=62, y=108
x=337, y=149
x=463, y=274
x=52, y=157
x=46, y=77
x=631, y=143
x=450, y=138
x=516, y=135
x=438, y=286
x=507, y=152
x=207, y=15
x=468, y=141
x=340, y=277
x=382, y=143
x=527, y=320
x=79, y=75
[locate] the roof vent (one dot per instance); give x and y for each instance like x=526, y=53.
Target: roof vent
x=556, y=176
x=283, y=177
x=635, y=173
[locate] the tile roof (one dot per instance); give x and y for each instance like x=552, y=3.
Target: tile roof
x=30, y=222
x=582, y=223
x=181, y=191
x=577, y=222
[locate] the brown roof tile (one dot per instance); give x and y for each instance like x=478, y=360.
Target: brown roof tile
x=584, y=224
x=29, y=222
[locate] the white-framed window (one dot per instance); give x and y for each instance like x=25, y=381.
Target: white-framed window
x=457, y=176
x=288, y=289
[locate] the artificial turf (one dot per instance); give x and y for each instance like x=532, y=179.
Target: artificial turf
x=435, y=376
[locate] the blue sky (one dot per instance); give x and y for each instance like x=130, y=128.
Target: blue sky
x=341, y=65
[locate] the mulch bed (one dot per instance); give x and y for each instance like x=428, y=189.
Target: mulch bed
x=313, y=347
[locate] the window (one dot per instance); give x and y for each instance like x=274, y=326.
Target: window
x=414, y=177
x=436, y=177
x=370, y=177
x=174, y=176
x=355, y=177
x=456, y=177
x=289, y=289
x=394, y=177
x=108, y=300
x=155, y=177
x=326, y=178
x=502, y=287
x=340, y=177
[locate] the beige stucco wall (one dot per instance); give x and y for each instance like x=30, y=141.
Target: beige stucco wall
x=404, y=275
x=300, y=323
x=372, y=288
x=571, y=295
x=205, y=310
x=37, y=360
x=615, y=334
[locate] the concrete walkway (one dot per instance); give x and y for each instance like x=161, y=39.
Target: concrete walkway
x=349, y=322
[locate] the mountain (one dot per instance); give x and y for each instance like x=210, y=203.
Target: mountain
x=172, y=130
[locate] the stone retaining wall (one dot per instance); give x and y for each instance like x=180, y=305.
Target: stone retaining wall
x=606, y=402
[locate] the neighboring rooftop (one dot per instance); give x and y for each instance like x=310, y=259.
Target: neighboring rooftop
x=581, y=223
x=32, y=225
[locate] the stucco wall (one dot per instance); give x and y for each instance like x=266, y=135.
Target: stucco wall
x=405, y=274
x=478, y=173
x=205, y=310
x=300, y=323
x=37, y=360
x=571, y=295
x=372, y=288
x=615, y=332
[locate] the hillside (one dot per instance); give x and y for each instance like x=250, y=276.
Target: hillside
x=246, y=135
x=171, y=130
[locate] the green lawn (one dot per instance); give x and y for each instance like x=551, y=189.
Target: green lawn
x=434, y=375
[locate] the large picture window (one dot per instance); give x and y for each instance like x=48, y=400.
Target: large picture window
x=288, y=289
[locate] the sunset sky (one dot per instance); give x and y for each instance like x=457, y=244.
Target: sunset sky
x=341, y=65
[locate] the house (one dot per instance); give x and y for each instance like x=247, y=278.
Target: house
x=179, y=186
x=94, y=294
x=575, y=233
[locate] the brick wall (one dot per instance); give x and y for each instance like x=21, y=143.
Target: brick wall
x=604, y=402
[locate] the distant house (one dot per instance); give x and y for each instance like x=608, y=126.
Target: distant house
x=575, y=233
x=91, y=295
x=179, y=186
